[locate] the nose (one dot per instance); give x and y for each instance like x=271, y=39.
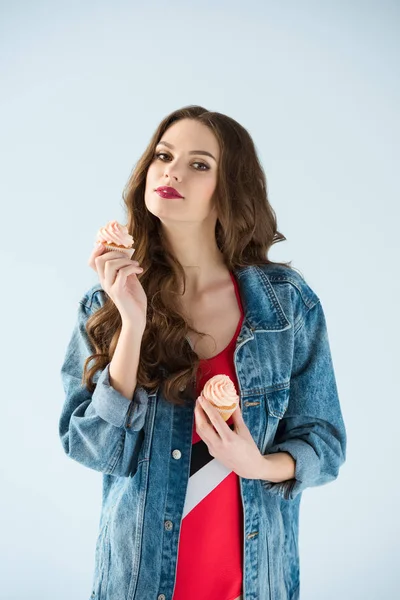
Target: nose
x=170, y=171
x=172, y=177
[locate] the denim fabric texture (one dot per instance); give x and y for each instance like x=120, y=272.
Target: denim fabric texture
x=289, y=401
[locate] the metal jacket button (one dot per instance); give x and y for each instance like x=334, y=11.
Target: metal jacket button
x=168, y=525
x=176, y=454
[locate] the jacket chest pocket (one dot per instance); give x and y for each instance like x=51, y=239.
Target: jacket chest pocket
x=276, y=403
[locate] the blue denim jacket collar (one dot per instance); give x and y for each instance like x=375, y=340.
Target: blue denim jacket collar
x=261, y=306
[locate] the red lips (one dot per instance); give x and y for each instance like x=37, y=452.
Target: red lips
x=168, y=192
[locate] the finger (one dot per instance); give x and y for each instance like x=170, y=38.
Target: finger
x=223, y=430
x=203, y=424
x=237, y=418
x=97, y=251
x=113, y=274
x=108, y=265
x=240, y=426
x=100, y=250
x=125, y=272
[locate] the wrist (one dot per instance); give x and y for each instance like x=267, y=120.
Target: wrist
x=264, y=468
x=134, y=329
x=277, y=467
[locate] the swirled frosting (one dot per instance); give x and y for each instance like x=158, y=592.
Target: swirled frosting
x=115, y=233
x=221, y=391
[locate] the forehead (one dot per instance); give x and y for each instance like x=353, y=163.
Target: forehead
x=187, y=135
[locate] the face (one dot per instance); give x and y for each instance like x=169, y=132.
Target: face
x=179, y=163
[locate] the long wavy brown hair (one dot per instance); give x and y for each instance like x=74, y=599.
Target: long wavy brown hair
x=245, y=230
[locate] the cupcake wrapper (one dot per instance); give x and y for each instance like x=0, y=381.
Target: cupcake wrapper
x=225, y=412
x=127, y=251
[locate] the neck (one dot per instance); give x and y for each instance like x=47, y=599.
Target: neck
x=197, y=251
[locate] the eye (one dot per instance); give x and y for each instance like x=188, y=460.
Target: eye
x=157, y=155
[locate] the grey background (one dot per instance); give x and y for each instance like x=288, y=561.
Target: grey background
x=84, y=85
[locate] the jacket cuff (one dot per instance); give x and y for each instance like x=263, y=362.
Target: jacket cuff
x=115, y=408
x=307, y=469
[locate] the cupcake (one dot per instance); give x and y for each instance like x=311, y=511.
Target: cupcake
x=220, y=391
x=116, y=237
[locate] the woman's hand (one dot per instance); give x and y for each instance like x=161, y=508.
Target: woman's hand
x=235, y=449
x=118, y=277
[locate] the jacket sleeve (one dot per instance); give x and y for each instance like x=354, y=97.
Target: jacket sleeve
x=103, y=430
x=312, y=430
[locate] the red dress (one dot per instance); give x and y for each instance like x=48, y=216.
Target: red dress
x=210, y=550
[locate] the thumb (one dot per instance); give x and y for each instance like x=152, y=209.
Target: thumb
x=238, y=421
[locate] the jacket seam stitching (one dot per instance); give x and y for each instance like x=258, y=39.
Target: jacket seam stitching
x=310, y=303
x=84, y=301
x=112, y=463
x=299, y=324
x=88, y=306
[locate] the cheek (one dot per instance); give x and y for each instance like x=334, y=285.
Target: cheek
x=205, y=193
x=211, y=182
x=211, y=188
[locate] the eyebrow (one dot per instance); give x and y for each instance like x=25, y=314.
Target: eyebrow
x=191, y=152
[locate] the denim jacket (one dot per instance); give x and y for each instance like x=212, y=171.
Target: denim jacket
x=289, y=401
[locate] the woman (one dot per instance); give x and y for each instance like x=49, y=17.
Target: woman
x=195, y=507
